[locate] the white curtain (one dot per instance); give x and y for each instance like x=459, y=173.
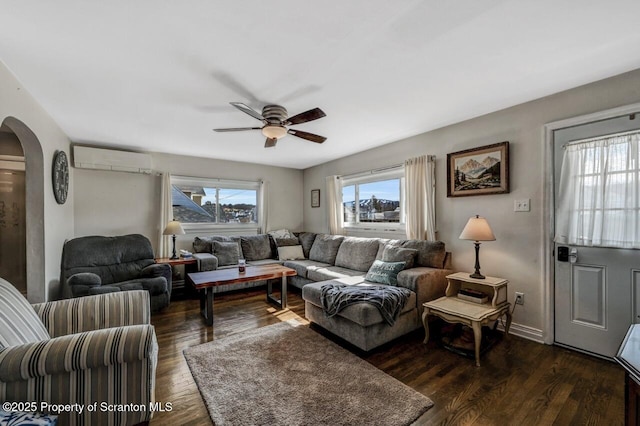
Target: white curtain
x=334, y=205
x=420, y=199
x=599, y=193
x=166, y=216
x=264, y=208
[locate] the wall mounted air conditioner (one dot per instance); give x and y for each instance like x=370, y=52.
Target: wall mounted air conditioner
x=85, y=157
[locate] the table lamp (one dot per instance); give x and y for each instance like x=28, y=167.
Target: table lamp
x=477, y=229
x=173, y=228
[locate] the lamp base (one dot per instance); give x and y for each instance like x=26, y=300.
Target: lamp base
x=477, y=273
x=174, y=256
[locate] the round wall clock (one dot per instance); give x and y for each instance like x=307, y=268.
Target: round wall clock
x=60, y=177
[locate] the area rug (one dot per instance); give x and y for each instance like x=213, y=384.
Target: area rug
x=287, y=374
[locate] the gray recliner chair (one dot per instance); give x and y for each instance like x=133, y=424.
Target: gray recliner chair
x=95, y=265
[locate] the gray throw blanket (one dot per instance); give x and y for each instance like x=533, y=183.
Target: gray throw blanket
x=389, y=300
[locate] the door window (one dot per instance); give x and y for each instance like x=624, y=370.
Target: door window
x=599, y=192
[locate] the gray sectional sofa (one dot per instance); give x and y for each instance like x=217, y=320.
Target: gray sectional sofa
x=336, y=259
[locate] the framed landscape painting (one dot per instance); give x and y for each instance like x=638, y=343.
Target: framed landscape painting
x=478, y=171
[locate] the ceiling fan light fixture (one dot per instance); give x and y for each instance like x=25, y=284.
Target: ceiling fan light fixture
x=274, y=132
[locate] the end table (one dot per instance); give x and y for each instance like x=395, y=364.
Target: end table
x=454, y=310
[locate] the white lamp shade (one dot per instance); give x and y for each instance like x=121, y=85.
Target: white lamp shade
x=173, y=228
x=477, y=229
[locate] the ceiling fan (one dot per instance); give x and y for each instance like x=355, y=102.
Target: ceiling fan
x=276, y=120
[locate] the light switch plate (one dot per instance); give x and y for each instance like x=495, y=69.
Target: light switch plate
x=522, y=205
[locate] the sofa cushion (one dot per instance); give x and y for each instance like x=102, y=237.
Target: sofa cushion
x=335, y=272
x=290, y=253
x=202, y=244
x=281, y=233
x=363, y=314
x=286, y=242
x=306, y=241
x=430, y=253
x=256, y=247
x=399, y=254
x=129, y=286
x=155, y=286
x=19, y=323
x=227, y=253
x=385, y=272
x=325, y=248
x=303, y=267
x=205, y=244
x=265, y=262
x=357, y=253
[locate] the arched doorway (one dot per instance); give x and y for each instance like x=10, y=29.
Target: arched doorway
x=13, y=238
x=13, y=132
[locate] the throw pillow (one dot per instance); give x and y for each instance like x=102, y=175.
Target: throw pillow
x=256, y=247
x=384, y=272
x=226, y=252
x=290, y=253
x=284, y=242
x=399, y=254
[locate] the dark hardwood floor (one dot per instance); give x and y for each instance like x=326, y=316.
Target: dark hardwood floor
x=519, y=383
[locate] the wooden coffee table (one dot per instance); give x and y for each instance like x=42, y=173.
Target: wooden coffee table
x=204, y=282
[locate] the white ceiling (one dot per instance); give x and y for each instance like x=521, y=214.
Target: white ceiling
x=158, y=75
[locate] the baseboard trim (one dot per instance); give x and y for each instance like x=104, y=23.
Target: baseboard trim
x=524, y=331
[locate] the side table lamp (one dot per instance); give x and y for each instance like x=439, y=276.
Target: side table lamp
x=173, y=228
x=477, y=229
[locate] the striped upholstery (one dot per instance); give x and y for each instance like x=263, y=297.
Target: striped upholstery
x=87, y=313
x=113, y=365
x=18, y=321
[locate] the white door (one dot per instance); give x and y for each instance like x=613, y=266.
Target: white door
x=595, y=287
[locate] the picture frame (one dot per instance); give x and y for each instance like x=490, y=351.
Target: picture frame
x=315, y=198
x=478, y=171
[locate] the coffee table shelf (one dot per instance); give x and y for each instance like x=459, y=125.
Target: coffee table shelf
x=205, y=282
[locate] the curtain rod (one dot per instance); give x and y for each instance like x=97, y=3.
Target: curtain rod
x=595, y=138
x=371, y=172
x=379, y=170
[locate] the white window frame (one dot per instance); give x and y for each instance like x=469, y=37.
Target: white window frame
x=396, y=172
x=217, y=183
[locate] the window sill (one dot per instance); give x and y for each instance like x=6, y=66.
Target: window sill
x=244, y=229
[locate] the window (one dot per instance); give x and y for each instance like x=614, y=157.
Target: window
x=374, y=198
x=599, y=201
x=214, y=201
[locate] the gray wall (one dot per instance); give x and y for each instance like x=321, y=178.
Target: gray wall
x=17, y=102
x=115, y=203
x=517, y=252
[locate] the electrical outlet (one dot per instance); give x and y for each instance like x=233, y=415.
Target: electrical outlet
x=523, y=205
x=519, y=298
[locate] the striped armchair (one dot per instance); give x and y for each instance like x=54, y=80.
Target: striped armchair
x=95, y=349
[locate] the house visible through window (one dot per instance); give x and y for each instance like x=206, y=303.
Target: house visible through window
x=214, y=201
x=373, y=198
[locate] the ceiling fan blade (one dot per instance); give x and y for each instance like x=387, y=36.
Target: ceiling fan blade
x=303, y=117
x=270, y=143
x=236, y=129
x=248, y=110
x=306, y=135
